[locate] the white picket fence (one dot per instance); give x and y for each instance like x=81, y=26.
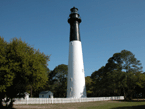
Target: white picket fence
x=65, y=100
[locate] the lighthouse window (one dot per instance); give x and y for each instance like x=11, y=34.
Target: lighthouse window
x=71, y=79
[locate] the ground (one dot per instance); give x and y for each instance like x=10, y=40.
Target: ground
x=134, y=104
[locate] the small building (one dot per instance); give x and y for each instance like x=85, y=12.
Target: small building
x=46, y=94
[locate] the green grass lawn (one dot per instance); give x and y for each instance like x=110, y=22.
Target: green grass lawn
x=134, y=104
x=116, y=105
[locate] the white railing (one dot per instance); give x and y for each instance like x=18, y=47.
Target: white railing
x=64, y=100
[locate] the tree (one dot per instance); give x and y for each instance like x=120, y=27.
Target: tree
x=26, y=66
x=88, y=82
x=97, y=77
x=125, y=61
x=6, y=76
x=46, y=86
x=140, y=84
x=129, y=62
x=118, y=75
x=58, y=80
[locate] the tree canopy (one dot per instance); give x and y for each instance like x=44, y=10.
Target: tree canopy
x=120, y=75
x=58, y=80
x=21, y=66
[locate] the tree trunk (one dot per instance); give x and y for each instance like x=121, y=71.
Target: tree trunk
x=6, y=101
x=10, y=106
x=1, y=105
x=124, y=94
x=31, y=91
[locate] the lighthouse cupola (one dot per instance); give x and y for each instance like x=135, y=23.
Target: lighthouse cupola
x=74, y=22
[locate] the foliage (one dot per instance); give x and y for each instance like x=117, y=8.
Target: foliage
x=121, y=75
x=88, y=83
x=6, y=76
x=45, y=88
x=22, y=66
x=58, y=80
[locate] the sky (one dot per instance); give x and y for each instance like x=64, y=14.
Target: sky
x=107, y=27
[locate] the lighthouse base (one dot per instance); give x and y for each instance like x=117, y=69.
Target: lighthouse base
x=76, y=78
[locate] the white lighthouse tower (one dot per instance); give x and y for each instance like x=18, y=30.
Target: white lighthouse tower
x=76, y=77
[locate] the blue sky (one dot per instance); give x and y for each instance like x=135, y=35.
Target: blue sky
x=107, y=27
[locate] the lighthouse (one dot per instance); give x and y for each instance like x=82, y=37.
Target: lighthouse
x=76, y=76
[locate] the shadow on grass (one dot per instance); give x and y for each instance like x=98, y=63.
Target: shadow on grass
x=4, y=107
x=130, y=100
x=131, y=107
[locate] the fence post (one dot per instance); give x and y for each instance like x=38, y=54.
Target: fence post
x=52, y=100
x=27, y=101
